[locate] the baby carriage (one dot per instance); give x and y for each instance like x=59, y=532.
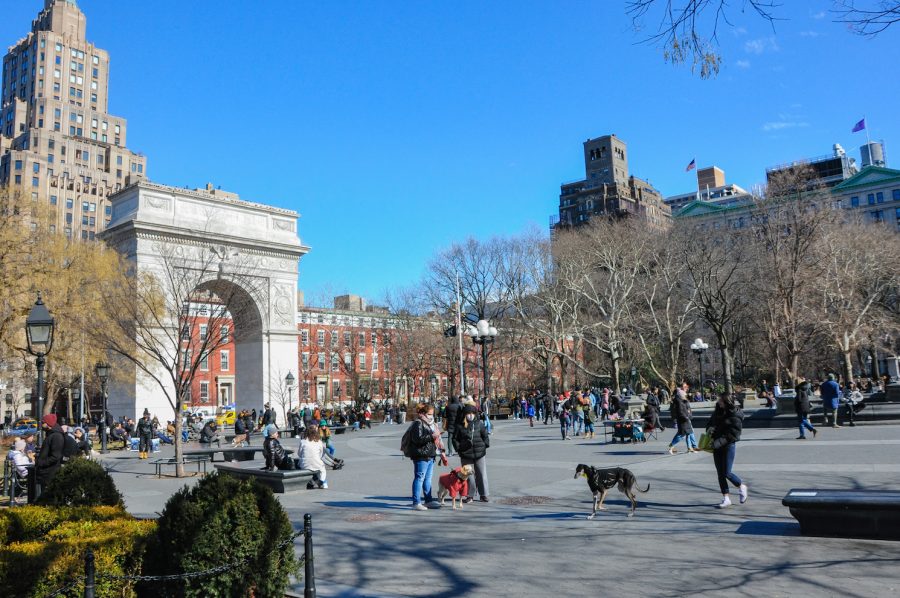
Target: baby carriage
x=627, y=431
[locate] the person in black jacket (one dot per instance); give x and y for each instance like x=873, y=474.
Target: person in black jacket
x=145, y=435
x=472, y=442
x=424, y=444
x=451, y=419
x=274, y=453
x=724, y=428
x=803, y=393
x=50, y=457
x=210, y=433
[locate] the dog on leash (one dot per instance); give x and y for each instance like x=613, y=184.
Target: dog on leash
x=456, y=484
x=601, y=481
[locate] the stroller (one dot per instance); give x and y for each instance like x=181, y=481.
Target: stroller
x=626, y=431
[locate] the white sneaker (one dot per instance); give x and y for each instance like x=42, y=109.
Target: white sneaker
x=726, y=502
x=419, y=507
x=324, y=486
x=743, y=492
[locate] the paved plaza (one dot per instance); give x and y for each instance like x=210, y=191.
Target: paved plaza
x=533, y=538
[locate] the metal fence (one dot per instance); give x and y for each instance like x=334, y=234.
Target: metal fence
x=85, y=585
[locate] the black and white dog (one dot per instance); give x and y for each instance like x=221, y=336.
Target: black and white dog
x=601, y=481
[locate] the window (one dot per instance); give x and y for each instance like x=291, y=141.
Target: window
x=362, y=362
x=223, y=360
x=320, y=361
x=204, y=392
x=879, y=197
x=36, y=168
x=203, y=330
x=335, y=388
x=85, y=206
x=375, y=362
x=387, y=362
x=347, y=361
x=895, y=194
x=335, y=364
x=334, y=338
x=204, y=362
x=306, y=388
x=871, y=199
x=186, y=358
x=854, y=202
x=304, y=360
x=320, y=338
x=223, y=333
x=69, y=203
x=346, y=339
x=897, y=215
x=362, y=339
x=35, y=181
x=52, y=200
x=304, y=337
x=186, y=332
x=18, y=165
x=374, y=340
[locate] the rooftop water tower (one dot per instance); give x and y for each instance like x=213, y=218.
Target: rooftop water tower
x=872, y=154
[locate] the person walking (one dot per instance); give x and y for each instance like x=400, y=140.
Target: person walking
x=145, y=435
x=424, y=444
x=530, y=413
x=564, y=421
x=681, y=415
x=472, y=442
x=724, y=429
x=451, y=418
x=831, y=400
x=803, y=392
x=589, y=419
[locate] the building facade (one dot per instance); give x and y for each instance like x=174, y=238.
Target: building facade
x=59, y=145
x=608, y=190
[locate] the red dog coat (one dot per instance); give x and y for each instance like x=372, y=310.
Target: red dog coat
x=454, y=485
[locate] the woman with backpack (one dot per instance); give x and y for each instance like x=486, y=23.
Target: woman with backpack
x=422, y=443
x=724, y=428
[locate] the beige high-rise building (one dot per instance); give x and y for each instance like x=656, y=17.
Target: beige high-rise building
x=58, y=142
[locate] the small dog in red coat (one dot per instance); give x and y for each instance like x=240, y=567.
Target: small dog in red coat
x=456, y=484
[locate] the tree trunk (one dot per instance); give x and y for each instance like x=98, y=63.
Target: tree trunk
x=615, y=368
x=726, y=367
x=179, y=465
x=548, y=364
x=848, y=364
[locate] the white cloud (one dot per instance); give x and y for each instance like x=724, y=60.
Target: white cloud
x=761, y=45
x=819, y=15
x=810, y=34
x=739, y=31
x=783, y=124
x=742, y=64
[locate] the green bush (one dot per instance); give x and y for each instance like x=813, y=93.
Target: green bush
x=81, y=483
x=219, y=521
x=43, y=548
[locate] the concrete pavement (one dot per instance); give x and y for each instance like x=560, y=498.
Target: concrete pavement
x=533, y=538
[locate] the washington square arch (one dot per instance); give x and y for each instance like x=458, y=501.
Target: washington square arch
x=208, y=243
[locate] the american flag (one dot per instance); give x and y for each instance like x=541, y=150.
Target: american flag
x=691, y=166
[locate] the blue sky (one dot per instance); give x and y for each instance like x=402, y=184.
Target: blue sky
x=398, y=128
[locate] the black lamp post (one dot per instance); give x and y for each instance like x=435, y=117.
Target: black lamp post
x=102, y=370
x=289, y=383
x=483, y=334
x=633, y=379
x=39, y=332
x=699, y=348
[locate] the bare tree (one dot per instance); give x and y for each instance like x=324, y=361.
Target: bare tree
x=168, y=320
x=871, y=19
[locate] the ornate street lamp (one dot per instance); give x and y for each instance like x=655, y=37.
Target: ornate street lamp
x=483, y=334
x=289, y=383
x=39, y=328
x=102, y=370
x=699, y=348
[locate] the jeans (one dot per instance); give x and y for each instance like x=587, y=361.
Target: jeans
x=804, y=424
x=589, y=428
x=690, y=440
x=563, y=429
x=481, y=479
x=724, y=459
x=422, y=471
x=579, y=423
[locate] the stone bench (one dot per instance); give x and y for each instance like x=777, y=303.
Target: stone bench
x=200, y=461
x=247, y=453
x=279, y=481
x=339, y=429
x=846, y=513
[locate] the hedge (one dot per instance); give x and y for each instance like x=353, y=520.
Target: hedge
x=81, y=483
x=43, y=548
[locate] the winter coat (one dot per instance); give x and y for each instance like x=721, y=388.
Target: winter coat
x=240, y=427
x=145, y=428
x=50, y=459
x=275, y=456
x=725, y=425
x=208, y=433
x=311, y=455
x=831, y=394
x=422, y=442
x=473, y=441
x=801, y=402
x=452, y=415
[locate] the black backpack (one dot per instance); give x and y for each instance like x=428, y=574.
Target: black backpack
x=406, y=446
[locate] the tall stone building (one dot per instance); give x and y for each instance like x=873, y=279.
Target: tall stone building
x=608, y=190
x=58, y=142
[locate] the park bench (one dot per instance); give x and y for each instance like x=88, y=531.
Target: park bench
x=200, y=461
x=339, y=429
x=278, y=480
x=846, y=513
x=247, y=453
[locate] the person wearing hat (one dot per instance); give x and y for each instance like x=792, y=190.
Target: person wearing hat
x=273, y=452
x=19, y=458
x=472, y=442
x=50, y=457
x=145, y=434
x=831, y=400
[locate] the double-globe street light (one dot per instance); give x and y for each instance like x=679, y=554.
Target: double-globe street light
x=699, y=348
x=483, y=334
x=39, y=328
x=102, y=370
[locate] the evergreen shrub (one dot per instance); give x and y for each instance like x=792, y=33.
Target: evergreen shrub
x=81, y=483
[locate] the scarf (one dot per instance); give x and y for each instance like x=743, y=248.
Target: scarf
x=435, y=433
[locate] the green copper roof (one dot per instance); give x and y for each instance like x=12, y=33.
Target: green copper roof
x=870, y=175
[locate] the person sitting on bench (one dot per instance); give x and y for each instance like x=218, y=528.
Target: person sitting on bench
x=119, y=433
x=274, y=453
x=210, y=433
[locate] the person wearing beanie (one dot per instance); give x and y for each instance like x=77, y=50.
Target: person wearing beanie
x=82, y=444
x=472, y=442
x=273, y=452
x=50, y=457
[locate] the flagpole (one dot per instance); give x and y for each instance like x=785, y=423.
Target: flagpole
x=868, y=141
x=459, y=335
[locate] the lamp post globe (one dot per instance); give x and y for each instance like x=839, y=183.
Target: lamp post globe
x=699, y=348
x=289, y=384
x=39, y=327
x=483, y=334
x=102, y=371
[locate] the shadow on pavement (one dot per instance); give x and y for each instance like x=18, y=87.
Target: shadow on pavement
x=769, y=528
x=349, y=504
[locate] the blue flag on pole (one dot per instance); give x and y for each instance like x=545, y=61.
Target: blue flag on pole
x=859, y=126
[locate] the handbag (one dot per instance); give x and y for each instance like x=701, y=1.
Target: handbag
x=705, y=443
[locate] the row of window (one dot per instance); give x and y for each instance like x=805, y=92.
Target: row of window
x=347, y=337
x=335, y=362
x=224, y=332
x=224, y=360
x=875, y=198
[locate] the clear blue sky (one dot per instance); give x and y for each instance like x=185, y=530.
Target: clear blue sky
x=396, y=128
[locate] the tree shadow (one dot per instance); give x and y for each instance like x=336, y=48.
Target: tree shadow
x=769, y=528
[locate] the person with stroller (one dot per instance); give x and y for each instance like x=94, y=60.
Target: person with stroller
x=724, y=428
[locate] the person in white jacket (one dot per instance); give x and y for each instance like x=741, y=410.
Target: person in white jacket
x=312, y=451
